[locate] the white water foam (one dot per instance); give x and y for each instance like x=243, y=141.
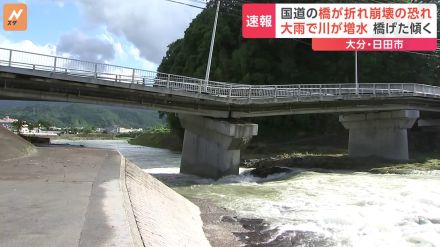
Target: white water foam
x=353, y=209
x=349, y=209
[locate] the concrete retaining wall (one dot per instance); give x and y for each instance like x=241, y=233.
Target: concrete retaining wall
x=13, y=146
x=162, y=216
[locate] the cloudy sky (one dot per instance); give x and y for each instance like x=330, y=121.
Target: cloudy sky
x=132, y=33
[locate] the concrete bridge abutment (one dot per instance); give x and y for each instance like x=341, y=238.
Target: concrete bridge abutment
x=211, y=147
x=380, y=134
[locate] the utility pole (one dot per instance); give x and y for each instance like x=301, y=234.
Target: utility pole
x=208, y=66
x=356, y=71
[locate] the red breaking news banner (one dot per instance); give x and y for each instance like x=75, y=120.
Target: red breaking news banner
x=260, y=20
x=346, y=27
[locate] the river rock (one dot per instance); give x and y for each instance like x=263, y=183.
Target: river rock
x=227, y=218
x=263, y=172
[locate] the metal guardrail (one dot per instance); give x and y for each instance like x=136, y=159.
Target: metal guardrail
x=195, y=86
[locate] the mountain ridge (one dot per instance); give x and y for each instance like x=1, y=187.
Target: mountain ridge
x=62, y=114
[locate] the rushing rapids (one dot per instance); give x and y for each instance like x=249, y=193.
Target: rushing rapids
x=330, y=208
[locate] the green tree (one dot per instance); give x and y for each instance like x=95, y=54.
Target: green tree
x=18, y=125
x=284, y=61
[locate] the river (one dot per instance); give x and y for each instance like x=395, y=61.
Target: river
x=335, y=208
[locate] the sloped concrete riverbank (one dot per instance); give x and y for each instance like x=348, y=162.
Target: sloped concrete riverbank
x=70, y=196
x=12, y=146
x=163, y=217
x=62, y=197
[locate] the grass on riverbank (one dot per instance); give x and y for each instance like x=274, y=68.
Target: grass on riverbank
x=330, y=152
x=420, y=162
x=159, y=137
x=93, y=136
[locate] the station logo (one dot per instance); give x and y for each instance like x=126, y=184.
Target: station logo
x=15, y=17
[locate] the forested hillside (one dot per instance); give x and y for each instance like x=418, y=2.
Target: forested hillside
x=79, y=115
x=285, y=61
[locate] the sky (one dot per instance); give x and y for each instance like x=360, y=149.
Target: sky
x=133, y=33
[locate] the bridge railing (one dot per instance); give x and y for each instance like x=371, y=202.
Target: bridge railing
x=333, y=90
x=230, y=91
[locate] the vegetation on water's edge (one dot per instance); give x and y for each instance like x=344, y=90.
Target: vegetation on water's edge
x=330, y=152
x=158, y=137
x=94, y=136
x=340, y=161
x=422, y=162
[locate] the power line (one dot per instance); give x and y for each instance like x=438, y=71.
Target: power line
x=198, y=7
x=186, y=4
x=199, y=1
x=434, y=53
x=421, y=53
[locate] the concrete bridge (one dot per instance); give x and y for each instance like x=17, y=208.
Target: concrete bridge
x=376, y=114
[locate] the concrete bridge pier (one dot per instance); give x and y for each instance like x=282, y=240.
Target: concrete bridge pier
x=430, y=128
x=211, y=147
x=380, y=134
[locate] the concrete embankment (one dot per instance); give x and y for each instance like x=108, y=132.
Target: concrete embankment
x=13, y=146
x=63, y=197
x=163, y=217
x=68, y=196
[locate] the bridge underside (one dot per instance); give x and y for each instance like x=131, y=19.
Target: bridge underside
x=55, y=87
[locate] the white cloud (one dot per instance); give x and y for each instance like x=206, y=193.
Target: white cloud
x=150, y=25
x=126, y=54
x=123, y=54
x=136, y=54
x=131, y=33
x=120, y=52
x=86, y=48
x=27, y=45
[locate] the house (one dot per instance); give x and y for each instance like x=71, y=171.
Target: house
x=120, y=130
x=7, y=122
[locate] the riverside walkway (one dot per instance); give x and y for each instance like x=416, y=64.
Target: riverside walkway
x=62, y=196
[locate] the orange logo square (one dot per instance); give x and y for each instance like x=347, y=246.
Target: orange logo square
x=15, y=17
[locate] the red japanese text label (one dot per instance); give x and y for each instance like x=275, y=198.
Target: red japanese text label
x=363, y=27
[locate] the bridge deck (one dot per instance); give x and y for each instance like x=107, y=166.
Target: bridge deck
x=33, y=76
